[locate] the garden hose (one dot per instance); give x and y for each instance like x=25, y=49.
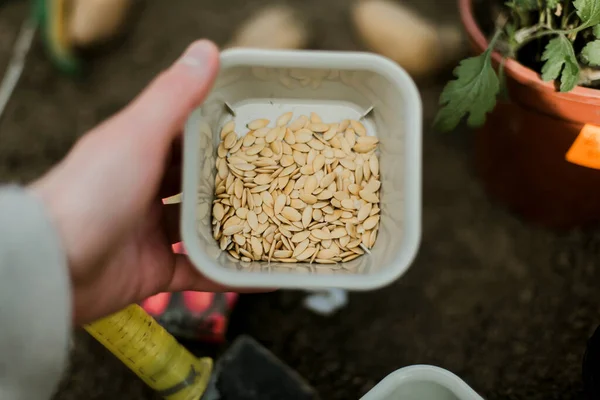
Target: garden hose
x=155, y=356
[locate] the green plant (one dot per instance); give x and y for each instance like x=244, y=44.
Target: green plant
x=568, y=31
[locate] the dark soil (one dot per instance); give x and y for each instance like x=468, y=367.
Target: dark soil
x=505, y=306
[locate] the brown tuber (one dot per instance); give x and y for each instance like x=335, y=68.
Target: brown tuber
x=399, y=33
x=95, y=21
x=273, y=27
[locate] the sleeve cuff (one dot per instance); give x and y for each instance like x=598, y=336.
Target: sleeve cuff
x=35, y=299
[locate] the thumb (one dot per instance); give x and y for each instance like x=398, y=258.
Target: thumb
x=161, y=109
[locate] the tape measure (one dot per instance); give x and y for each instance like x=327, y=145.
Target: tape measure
x=153, y=354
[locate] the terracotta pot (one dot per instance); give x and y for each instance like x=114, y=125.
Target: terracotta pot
x=520, y=152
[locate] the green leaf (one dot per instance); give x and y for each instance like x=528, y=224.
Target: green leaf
x=561, y=62
x=552, y=4
x=473, y=92
x=588, y=11
x=591, y=53
x=597, y=31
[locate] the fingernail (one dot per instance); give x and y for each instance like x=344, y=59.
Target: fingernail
x=196, y=56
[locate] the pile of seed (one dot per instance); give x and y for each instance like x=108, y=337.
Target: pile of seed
x=302, y=191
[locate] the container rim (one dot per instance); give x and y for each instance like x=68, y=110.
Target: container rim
x=422, y=373
x=412, y=172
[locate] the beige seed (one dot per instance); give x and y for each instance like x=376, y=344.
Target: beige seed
x=239, y=239
x=310, y=184
x=252, y=220
x=301, y=147
x=289, y=137
x=272, y=135
x=279, y=203
x=327, y=180
x=257, y=247
x=299, y=158
x=230, y=140
x=263, y=179
x=369, y=196
x=325, y=195
x=308, y=198
x=242, y=212
x=371, y=222
x=347, y=163
x=350, y=258
x=319, y=162
x=317, y=214
x=257, y=124
x=319, y=127
x=227, y=128
x=321, y=234
x=303, y=136
x=248, y=140
x=326, y=254
x=350, y=137
x=218, y=211
x=237, y=146
x=282, y=254
x=372, y=140
x=315, y=118
x=354, y=189
x=374, y=165
x=291, y=214
x=297, y=204
x=364, y=212
x=338, y=233
x=343, y=125
x=261, y=134
x=306, y=254
x=307, y=215
x=363, y=147
x=316, y=144
x=298, y=123
x=340, y=195
x=373, y=186
x=286, y=160
x=266, y=152
x=222, y=151
x=344, y=240
x=232, y=230
x=284, y=118
x=262, y=218
x=330, y=134
x=287, y=170
x=301, y=247
x=300, y=236
x=358, y=127
x=348, y=204
x=245, y=167
x=307, y=170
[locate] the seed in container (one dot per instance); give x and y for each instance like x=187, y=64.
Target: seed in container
x=297, y=190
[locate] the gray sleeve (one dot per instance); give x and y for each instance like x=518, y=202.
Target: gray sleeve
x=35, y=299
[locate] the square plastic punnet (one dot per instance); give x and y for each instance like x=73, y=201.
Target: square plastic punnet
x=256, y=84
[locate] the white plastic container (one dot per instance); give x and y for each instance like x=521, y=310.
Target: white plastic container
x=337, y=85
x=422, y=382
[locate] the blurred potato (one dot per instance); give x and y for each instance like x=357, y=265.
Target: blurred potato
x=273, y=27
x=94, y=21
x=397, y=32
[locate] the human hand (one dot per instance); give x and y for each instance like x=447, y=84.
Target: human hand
x=105, y=196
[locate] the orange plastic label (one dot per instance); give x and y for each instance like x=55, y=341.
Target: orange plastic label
x=585, y=150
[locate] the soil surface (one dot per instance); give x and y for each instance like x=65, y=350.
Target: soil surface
x=505, y=306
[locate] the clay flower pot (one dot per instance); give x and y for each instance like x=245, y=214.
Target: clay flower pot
x=520, y=152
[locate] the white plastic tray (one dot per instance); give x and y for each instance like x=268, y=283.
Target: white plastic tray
x=422, y=382
x=337, y=85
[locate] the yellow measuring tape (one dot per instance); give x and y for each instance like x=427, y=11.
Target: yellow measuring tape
x=153, y=354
